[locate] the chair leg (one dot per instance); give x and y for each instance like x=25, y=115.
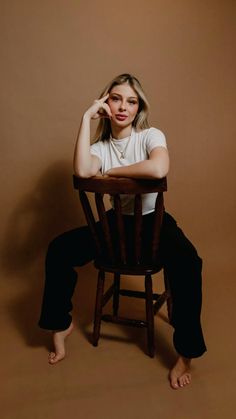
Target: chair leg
x=116, y=294
x=169, y=299
x=98, y=307
x=149, y=315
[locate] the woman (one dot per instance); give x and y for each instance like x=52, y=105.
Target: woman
x=125, y=147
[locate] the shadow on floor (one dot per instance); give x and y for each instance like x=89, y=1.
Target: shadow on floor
x=49, y=209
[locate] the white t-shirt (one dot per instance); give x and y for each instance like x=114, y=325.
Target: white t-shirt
x=136, y=148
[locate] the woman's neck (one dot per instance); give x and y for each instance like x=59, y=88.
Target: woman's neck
x=120, y=133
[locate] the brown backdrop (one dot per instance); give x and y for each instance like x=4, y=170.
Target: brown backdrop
x=56, y=57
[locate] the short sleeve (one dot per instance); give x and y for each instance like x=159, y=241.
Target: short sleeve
x=96, y=150
x=155, y=138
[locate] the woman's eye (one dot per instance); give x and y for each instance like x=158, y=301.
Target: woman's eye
x=115, y=99
x=133, y=102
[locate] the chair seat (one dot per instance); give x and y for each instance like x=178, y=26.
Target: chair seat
x=128, y=269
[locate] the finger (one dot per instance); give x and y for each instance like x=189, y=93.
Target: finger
x=104, y=98
x=104, y=113
x=96, y=116
x=103, y=116
x=101, y=102
x=106, y=107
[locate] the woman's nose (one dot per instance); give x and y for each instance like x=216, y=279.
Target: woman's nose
x=122, y=106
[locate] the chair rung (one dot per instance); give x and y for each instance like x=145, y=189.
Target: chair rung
x=124, y=321
x=160, y=301
x=108, y=294
x=137, y=294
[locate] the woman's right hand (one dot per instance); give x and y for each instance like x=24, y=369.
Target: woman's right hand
x=99, y=109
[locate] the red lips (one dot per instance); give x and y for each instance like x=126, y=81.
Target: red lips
x=121, y=117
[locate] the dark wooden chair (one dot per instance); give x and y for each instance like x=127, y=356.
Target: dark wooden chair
x=116, y=255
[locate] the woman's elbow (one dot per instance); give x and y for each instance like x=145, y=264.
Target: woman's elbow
x=159, y=165
x=86, y=168
x=161, y=171
x=82, y=173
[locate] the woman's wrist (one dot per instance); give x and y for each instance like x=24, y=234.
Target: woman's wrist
x=87, y=116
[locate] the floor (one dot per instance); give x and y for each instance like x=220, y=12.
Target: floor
x=116, y=379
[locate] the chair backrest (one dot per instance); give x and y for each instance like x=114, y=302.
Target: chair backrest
x=116, y=252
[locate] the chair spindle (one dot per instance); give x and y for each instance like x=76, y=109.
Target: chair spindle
x=138, y=227
x=105, y=225
x=120, y=228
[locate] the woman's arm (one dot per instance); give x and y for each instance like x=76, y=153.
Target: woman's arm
x=86, y=164
x=156, y=167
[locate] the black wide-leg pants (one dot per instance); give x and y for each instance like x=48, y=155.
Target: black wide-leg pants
x=180, y=260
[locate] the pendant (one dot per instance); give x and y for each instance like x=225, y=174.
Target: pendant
x=122, y=156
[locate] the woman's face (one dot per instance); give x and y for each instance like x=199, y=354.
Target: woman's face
x=124, y=103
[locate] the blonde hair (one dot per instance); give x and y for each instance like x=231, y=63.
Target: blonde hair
x=140, y=122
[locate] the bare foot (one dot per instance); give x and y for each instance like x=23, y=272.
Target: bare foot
x=180, y=374
x=59, y=345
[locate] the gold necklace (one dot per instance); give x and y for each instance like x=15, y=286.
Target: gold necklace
x=122, y=152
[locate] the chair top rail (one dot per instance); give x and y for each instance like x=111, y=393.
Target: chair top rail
x=114, y=185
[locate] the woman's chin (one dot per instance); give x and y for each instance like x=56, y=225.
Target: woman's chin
x=120, y=124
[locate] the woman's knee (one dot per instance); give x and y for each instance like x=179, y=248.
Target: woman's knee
x=183, y=255
x=191, y=258
x=56, y=249
x=72, y=248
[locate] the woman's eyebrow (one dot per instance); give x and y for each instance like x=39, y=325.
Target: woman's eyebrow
x=129, y=97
